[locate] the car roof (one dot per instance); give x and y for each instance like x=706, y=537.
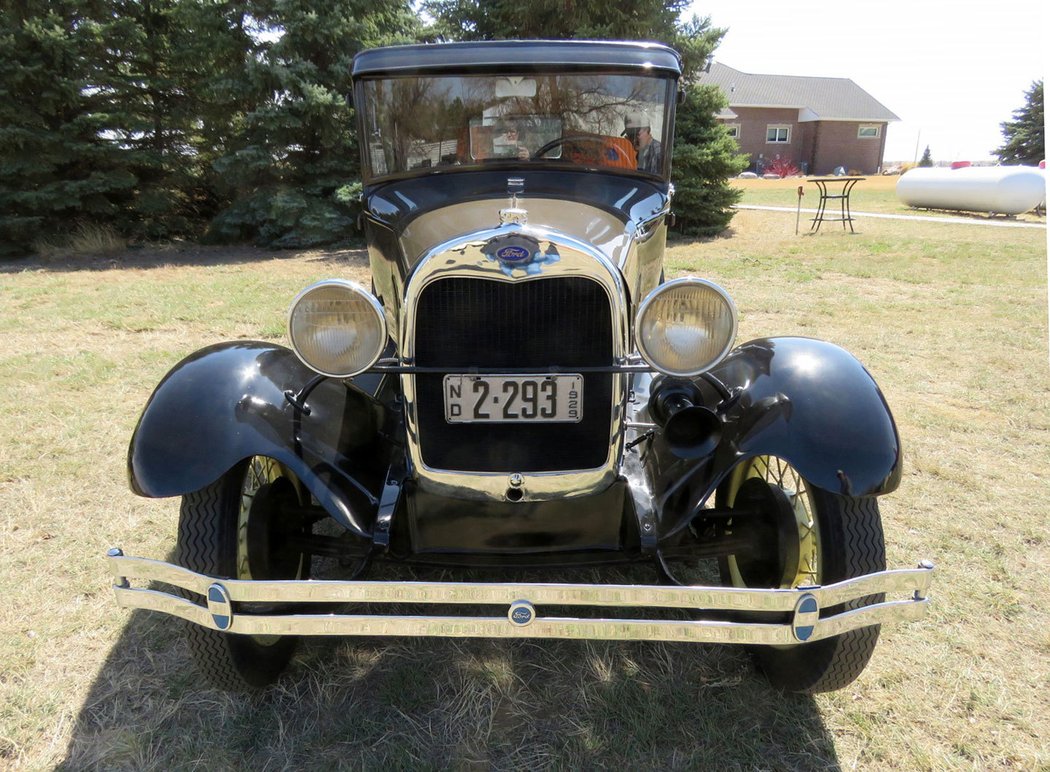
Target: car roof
x=517, y=55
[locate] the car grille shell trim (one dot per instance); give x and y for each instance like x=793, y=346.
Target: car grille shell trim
x=470, y=257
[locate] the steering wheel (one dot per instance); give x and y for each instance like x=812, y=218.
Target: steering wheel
x=621, y=157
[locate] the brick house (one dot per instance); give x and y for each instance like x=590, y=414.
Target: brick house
x=818, y=123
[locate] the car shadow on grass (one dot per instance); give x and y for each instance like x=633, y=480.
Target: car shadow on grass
x=419, y=703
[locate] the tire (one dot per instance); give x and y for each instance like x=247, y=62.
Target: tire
x=848, y=543
x=230, y=529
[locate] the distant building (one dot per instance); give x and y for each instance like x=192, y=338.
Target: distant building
x=819, y=124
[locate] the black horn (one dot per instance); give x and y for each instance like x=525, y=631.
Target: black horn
x=690, y=429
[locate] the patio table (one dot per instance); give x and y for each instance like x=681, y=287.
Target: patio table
x=837, y=194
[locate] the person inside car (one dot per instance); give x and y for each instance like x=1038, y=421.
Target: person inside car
x=650, y=151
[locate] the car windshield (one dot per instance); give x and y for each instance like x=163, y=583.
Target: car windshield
x=414, y=124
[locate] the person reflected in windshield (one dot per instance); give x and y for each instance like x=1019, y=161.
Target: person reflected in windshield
x=509, y=144
x=650, y=151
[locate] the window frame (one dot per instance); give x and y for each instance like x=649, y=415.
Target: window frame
x=777, y=127
x=869, y=126
x=734, y=130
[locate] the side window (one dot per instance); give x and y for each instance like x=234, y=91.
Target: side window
x=867, y=132
x=778, y=134
x=734, y=130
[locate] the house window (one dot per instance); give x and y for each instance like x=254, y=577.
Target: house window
x=868, y=132
x=733, y=129
x=779, y=134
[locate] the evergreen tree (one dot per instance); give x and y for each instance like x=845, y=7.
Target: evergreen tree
x=1026, y=134
x=927, y=159
x=153, y=115
x=111, y=111
x=577, y=19
x=55, y=167
x=704, y=154
x=163, y=85
x=292, y=162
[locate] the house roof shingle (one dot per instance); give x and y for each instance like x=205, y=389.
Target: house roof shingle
x=820, y=99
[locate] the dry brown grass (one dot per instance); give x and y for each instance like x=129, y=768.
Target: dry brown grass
x=952, y=321
x=85, y=240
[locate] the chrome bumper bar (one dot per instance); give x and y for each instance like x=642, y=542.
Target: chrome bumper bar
x=520, y=601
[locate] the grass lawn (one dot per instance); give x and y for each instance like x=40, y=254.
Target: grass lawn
x=950, y=319
x=873, y=194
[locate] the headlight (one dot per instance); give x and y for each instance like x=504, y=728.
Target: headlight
x=337, y=328
x=685, y=326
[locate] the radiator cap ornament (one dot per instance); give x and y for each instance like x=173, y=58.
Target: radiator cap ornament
x=514, y=214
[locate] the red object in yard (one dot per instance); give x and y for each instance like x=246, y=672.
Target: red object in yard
x=960, y=164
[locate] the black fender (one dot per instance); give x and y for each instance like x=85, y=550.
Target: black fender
x=807, y=401
x=227, y=402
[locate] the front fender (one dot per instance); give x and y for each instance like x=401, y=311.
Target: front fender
x=816, y=406
x=227, y=402
x=806, y=401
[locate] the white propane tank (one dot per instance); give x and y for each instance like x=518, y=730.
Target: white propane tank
x=993, y=189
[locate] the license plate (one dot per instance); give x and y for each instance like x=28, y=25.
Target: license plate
x=513, y=398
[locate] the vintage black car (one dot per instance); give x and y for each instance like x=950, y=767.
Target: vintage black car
x=520, y=387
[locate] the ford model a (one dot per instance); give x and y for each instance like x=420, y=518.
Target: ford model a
x=522, y=388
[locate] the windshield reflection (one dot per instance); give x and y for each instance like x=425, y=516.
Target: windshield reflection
x=595, y=120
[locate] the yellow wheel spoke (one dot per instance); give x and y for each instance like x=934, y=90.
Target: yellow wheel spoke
x=780, y=474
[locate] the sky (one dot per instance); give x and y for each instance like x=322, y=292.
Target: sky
x=952, y=71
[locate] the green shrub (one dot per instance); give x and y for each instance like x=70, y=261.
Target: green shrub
x=290, y=218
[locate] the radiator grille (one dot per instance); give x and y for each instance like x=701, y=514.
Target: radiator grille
x=545, y=325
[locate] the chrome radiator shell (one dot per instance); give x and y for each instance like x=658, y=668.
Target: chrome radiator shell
x=471, y=256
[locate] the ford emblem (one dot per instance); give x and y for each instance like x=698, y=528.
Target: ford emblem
x=521, y=613
x=513, y=254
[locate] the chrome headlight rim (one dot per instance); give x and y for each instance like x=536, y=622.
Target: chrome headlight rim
x=654, y=295
x=357, y=289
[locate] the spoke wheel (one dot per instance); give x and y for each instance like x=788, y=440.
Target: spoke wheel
x=789, y=554
x=239, y=527
x=803, y=536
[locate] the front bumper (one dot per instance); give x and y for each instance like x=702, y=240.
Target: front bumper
x=795, y=616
